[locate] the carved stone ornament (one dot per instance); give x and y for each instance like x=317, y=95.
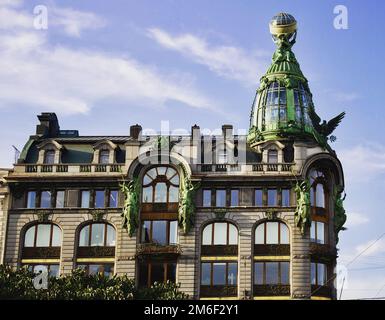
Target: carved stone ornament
x=43, y=216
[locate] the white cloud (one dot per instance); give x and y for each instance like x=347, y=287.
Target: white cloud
x=371, y=247
x=355, y=219
x=363, y=162
x=56, y=78
x=226, y=61
x=346, y=96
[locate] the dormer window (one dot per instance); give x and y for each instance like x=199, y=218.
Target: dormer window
x=49, y=157
x=104, y=156
x=272, y=156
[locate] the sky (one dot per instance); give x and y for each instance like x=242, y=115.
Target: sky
x=105, y=65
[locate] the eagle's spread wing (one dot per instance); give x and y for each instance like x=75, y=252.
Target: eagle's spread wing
x=315, y=119
x=333, y=123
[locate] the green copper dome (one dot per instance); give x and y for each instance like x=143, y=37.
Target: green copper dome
x=282, y=102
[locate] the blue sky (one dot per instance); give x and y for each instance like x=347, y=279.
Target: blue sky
x=104, y=65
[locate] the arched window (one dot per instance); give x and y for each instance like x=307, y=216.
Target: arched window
x=219, y=260
x=161, y=185
x=302, y=101
x=96, y=242
x=272, y=232
x=41, y=248
x=271, y=275
x=318, y=192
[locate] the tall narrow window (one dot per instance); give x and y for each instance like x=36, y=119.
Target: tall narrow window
x=220, y=199
x=45, y=199
x=234, y=197
x=272, y=197
x=318, y=274
x=272, y=156
x=207, y=198
x=85, y=199
x=285, y=197
x=60, y=195
x=104, y=156
x=317, y=232
x=49, y=157
x=99, y=199
x=113, y=199
x=31, y=199
x=258, y=198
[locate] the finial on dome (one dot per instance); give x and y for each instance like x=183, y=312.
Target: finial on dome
x=283, y=28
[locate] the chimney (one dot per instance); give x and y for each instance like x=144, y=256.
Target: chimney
x=195, y=131
x=227, y=130
x=135, y=131
x=49, y=125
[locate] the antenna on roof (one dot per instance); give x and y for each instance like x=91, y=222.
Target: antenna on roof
x=17, y=153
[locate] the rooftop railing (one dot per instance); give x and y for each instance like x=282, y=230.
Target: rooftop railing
x=68, y=168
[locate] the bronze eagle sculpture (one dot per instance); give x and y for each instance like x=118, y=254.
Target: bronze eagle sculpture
x=325, y=128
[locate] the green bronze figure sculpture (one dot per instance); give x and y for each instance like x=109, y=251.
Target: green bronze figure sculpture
x=302, y=214
x=186, y=210
x=130, y=212
x=339, y=211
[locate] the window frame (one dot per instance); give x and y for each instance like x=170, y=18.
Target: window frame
x=211, y=263
x=212, y=224
x=279, y=271
x=168, y=232
x=105, y=234
x=35, y=234
x=264, y=223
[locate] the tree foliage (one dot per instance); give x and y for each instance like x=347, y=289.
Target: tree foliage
x=18, y=284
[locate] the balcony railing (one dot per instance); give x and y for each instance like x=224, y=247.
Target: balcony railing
x=157, y=249
x=71, y=168
x=256, y=167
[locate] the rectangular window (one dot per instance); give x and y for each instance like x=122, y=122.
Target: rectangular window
x=97, y=234
x=31, y=199
x=72, y=198
x=285, y=197
x=258, y=198
x=235, y=198
x=43, y=235
x=104, y=157
x=318, y=274
x=173, y=236
x=219, y=274
x=258, y=273
x=146, y=232
x=272, y=273
x=159, y=234
x=285, y=272
x=272, y=197
x=206, y=274
x=272, y=156
x=113, y=200
x=85, y=199
x=99, y=199
x=232, y=272
x=317, y=232
x=220, y=198
x=45, y=199
x=207, y=198
x=60, y=199
x=272, y=232
x=49, y=157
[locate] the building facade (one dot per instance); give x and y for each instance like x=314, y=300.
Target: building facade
x=228, y=216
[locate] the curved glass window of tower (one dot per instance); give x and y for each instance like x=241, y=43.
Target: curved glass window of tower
x=104, y=156
x=49, y=157
x=275, y=108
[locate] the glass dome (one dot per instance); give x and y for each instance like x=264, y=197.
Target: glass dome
x=282, y=19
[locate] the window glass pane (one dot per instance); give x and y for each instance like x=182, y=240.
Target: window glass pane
x=31, y=199
x=45, y=199
x=260, y=234
x=157, y=272
x=85, y=199
x=272, y=197
x=219, y=273
x=206, y=274
x=175, y=180
x=321, y=273
x=207, y=198
x=320, y=232
x=173, y=232
x=146, y=179
x=271, y=232
x=84, y=236
x=312, y=197
x=173, y=194
x=104, y=156
x=54, y=270
x=233, y=235
x=113, y=203
x=159, y=234
x=160, y=192
x=320, y=196
x=60, y=199
x=220, y=198
x=162, y=170
x=97, y=234
x=29, y=237
x=285, y=272
x=171, y=272
x=99, y=199
x=284, y=234
x=258, y=273
x=108, y=270
x=271, y=272
x=143, y=274
x=170, y=173
x=258, y=197
x=95, y=269
x=110, y=236
x=272, y=156
x=232, y=273
x=146, y=231
x=207, y=233
x=312, y=232
x=49, y=157
x=43, y=235
x=313, y=273
x=147, y=194
x=234, y=198
x=220, y=233
x=56, y=236
x=285, y=197
x=152, y=173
